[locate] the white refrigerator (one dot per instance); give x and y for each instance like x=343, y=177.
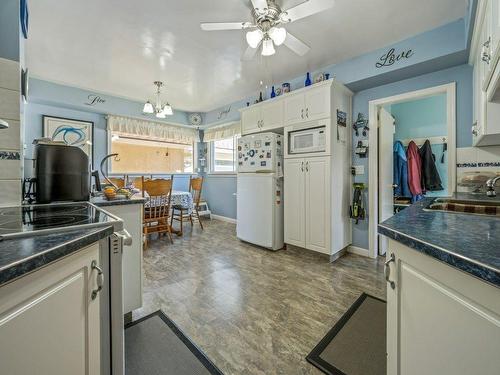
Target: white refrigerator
x=260, y=190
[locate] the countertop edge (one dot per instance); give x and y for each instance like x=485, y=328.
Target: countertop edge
x=470, y=266
x=118, y=202
x=30, y=264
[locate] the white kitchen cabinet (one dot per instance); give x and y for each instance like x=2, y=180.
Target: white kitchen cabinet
x=308, y=105
x=439, y=320
x=318, y=204
x=307, y=203
x=294, y=199
x=49, y=324
x=132, y=275
x=262, y=117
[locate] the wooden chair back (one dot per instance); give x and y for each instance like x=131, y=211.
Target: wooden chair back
x=137, y=182
x=118, y=181
x=195, y=187
x=160, y=192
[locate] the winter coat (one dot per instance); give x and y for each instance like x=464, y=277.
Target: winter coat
x=400, y=173
x=414, y=171
x=430, y=175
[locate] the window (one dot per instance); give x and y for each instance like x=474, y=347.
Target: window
x=144, y=156
x=223, y=155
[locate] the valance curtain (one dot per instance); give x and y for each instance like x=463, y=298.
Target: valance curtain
x=222, y=132
x=154, y=130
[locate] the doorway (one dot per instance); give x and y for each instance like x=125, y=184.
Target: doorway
x=416, y=116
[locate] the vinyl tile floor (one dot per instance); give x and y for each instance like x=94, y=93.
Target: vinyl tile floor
x=252, y=311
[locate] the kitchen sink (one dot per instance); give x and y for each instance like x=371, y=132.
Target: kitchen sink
x=465, y=206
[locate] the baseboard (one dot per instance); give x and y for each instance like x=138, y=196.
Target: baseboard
x=358, y=250
x=224, y=218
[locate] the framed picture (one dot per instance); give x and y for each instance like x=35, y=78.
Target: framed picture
x=72, y=132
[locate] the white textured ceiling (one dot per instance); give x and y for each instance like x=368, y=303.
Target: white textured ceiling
x=120, y=47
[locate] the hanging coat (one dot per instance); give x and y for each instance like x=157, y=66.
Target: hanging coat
x=400, y=173
x=414, y=171
x=430, y=175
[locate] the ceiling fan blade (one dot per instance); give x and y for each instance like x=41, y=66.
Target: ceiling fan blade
x=250, y=53
x=259, y=4
x=216, y=26
x=296, y=45
x=306, y=9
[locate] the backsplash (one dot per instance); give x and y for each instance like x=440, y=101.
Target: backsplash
x=10, y=138
x=476, y=159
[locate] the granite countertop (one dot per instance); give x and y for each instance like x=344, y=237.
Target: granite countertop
x=468, y=242
x=101, y=201
x=20, y=256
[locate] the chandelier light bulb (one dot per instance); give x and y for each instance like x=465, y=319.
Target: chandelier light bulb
x=148, y=108
x=254, y=38
x=278, y=35
x=167, y=110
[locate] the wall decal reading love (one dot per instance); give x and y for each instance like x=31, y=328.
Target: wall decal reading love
x=94, y=99
x=391, y=57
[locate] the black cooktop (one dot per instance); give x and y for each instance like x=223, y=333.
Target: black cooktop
x=36, y=219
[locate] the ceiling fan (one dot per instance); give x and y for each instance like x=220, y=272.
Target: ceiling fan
x=267, y=29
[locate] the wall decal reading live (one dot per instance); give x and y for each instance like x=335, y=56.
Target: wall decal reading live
x=95, y=99
x=391, y=57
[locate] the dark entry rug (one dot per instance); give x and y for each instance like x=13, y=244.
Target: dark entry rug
x=356, y=345
x=154, y=345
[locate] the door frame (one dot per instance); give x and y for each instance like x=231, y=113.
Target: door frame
x=373, y=107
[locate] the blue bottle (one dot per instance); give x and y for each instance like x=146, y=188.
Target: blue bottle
x=273, y=94
x=308, y=80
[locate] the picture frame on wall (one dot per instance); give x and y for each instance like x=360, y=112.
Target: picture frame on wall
x=72, y=132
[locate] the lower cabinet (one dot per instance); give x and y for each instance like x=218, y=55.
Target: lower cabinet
x=440, y=321
x=307, y=203
x=49, y=323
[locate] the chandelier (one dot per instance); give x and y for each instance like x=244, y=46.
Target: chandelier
x=161, y=111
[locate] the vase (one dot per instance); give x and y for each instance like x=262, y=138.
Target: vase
x=308, y=80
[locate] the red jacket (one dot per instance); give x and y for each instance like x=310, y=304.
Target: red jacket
x=414, y=169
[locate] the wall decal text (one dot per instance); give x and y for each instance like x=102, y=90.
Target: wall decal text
x=94, y=99
x=391, y=57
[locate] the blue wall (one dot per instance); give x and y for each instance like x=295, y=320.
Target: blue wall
x=461, y=74
x=425, y=118
x=219, y=191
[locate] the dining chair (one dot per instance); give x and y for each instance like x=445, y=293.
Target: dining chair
x=157, y=207
x=183, y=214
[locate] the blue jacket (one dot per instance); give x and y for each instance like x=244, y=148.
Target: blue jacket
x=400, y=176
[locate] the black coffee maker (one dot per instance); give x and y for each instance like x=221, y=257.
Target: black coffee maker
x=62, y=173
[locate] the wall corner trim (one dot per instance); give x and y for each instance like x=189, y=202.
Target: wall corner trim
x=358, y=250
x=224, y=218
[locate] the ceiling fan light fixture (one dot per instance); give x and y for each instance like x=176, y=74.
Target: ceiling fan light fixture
x=254, y=38
x=278, y=35
x=148, y=108
x=268, y=47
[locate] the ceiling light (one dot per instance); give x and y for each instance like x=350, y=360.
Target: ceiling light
x=254, y=38
x=167, y=110
x=160, y=110
x=148, y=108
x=268, y=47
x=278, y=35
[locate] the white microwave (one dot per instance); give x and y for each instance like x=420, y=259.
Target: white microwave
x=306, y=141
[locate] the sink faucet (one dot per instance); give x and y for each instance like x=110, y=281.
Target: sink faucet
x=490, y=184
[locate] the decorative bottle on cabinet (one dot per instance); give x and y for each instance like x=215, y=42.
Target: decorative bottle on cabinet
x=308, y=80
x=273, y=93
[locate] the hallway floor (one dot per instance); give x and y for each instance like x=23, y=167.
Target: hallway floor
x=252, y=311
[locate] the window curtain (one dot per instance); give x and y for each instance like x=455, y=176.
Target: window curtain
x=222, y=132
x=153, y=130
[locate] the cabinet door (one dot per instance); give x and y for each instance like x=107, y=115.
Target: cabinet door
x=318, y=204
x=294, y=109
x=294, y=200
x=48, y=322
x=495, y=26
x=441, y=314
x=250, y=120
x=317, y=103
x=272, y=115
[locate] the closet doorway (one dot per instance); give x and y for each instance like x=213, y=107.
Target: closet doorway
x=418, y=116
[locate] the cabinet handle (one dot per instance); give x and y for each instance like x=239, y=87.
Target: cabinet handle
x=307, y=166
x=261, y=123
x=302, y=167
x=302, y=113
x=100, y=279
x=307, y=112
x=387, y=271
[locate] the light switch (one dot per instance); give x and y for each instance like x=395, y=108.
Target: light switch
x=359, y=169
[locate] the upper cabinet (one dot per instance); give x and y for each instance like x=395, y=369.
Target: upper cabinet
x=306, y=104
x=485, y=55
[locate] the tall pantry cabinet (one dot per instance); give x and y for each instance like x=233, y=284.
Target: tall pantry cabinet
x=317, y=185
